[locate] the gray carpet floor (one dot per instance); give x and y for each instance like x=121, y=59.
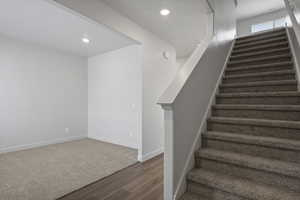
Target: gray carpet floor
x=52, y=171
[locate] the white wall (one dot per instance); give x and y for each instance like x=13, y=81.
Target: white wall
x=180, y=62
x=115, y=96
x=244, y=25
x=42, y=92
x=296, y=3
x=157, y=71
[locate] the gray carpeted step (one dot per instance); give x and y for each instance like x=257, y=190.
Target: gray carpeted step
x=260, y=86
x=240, y=187
x=260, y=60
x=261, y=47
x=251, y=150
x=260, y=76
x=260, y=68
x=270, y=52
x=268, y=147
x=192, y=196
x=256, y=127
x=211, y=193
x=261, y=42
x=271, y=98
x=276, y=112
x=262, y=37
x=262, y=170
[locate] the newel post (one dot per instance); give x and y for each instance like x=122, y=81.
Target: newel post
x=169, y=152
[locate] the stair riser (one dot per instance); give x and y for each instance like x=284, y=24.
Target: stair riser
x=253, y=150
x=258, y=114
x=255, y=130
x=271, y=88
x=260, y=78
x=260, y=100
x=260, y=62
x=257, y=70
x=262, y=34
x=259, y=48
x=191, y=196
x=260, y=55
x=260, y=43
x=200, y=189
x=211, y=193
x=249, y=173
x=260, y=38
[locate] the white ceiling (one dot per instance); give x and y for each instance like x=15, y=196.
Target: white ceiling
x=251, y=8
x=183, y=28
x=44, y=23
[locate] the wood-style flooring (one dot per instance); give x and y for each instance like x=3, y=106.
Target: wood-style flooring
x=142, y=181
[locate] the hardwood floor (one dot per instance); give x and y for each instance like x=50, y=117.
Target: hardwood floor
x=142, y=181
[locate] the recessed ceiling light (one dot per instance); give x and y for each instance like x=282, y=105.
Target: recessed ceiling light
x=85, y=40
x=165, y=12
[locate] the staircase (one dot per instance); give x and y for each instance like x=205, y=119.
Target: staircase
x=251, y=150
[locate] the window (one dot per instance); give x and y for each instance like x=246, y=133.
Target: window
x=280, y=22
x=262, y=27
x=268, y=25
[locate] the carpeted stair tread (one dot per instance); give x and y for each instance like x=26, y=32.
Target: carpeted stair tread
x=259, y=53
x=260, y=83
x=270, y=40
x=241, y=61
x=254, y=162
x=271, y=142
x=270, y=35
x=257, y=122
x=191, y=196
x=256, y=48
x=261, y=94
x=257, y=107
x=270, y=65
x=260, y=34
x=271, y=73
x=240, y=187
x=291, y=97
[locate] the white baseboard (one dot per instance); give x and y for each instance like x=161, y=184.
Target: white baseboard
x=148, y=156
x=111, y=142
x=40, y=144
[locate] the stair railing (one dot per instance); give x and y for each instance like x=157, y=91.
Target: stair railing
x=187, y=100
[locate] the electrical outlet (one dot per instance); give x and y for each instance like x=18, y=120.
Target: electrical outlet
x=67, y=130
